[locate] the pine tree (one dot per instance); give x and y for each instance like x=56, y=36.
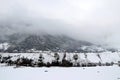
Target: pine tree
x=66, y=63
x=40, y=60
x=75, y=57
x=57, y=57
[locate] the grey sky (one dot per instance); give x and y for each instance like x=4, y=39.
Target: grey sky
x=92, y=20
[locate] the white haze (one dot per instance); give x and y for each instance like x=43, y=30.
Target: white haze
x=97, y=21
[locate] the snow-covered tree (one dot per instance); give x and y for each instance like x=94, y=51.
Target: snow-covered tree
x=40, y=60
x=57, y=57
x=65, y=62
x=75, y=57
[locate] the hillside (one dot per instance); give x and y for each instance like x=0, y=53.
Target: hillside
x=46, y=42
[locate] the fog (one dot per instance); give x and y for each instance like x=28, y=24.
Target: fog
x=91, y=20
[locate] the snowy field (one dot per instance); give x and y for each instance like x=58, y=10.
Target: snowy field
x=56, y=73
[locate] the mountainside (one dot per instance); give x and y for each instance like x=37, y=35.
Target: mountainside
x=46, y=42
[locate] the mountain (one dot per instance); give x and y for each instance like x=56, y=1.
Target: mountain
x=45, y=42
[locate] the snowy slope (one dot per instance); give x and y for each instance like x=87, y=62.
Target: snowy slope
x=82, y=57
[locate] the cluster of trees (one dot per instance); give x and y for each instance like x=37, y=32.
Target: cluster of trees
x=23, y=61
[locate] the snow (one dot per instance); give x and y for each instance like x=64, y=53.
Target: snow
x=110, y=57
x=49, y=56
x=56, y=73
x=93, y=48
x=62, y=73
x=4, y=45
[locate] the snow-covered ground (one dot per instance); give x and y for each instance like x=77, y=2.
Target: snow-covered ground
x=56, y=73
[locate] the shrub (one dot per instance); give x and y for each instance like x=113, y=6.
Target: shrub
x=55, y=63
x=48, y=64
x=66, y=63
x=5, y=59
x=112, y=63
x=24, y=62
x=83, y=65
x=108, y=64
x=10, y=62
x=91, y=64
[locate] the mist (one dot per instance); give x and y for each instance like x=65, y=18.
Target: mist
x=90, y=20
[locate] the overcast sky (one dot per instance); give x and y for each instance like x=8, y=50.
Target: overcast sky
x=97, y=21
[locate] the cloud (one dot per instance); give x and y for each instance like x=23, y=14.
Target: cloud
x=91, y=20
